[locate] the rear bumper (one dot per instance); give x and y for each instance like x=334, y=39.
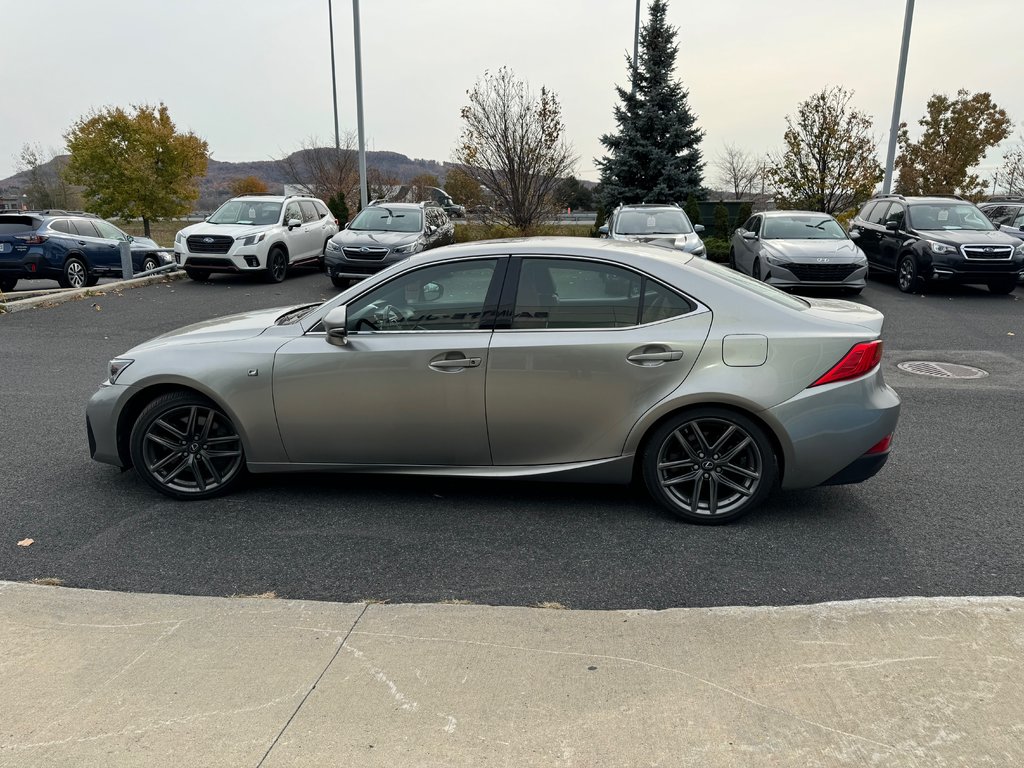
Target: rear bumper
x=24, y=266
x=859, y=470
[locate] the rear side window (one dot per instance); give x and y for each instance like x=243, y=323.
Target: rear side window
x=556, y=293
x=309, y=213
x=16, y=225
x=84, y=228
x=61, y=225
x=321, y=209
x=660, y=303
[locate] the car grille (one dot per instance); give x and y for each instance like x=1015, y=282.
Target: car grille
x=987, y=252
x=365, y=253
x=822, y=272
x=209, y=243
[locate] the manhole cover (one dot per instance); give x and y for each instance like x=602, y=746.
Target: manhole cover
x=942, y=370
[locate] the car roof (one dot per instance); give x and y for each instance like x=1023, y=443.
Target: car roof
x=649, y=205
x=774, y=214
x=402, y=206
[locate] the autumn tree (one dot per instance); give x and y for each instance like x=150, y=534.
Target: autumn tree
x=135, y=164
x=47, y=186
x=381, y=185
x=829, y=162
x=655, y=155
x=463, y=188
x=513, y=143
x=957, y=134
x=325, y=170
x=248, y=185
x=738, y=170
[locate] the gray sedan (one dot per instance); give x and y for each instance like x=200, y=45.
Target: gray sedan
x=589, y=360
x=788, y=249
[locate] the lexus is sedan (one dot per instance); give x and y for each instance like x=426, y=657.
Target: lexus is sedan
x=789, y=249
x=568, y=358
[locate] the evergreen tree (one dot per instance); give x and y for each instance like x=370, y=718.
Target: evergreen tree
x=336, y=204
x=655, y=155
x=693, y=210
x=746, y=211
x=721, y=221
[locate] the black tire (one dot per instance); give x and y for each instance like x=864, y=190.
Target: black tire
x=685, y=474
x=908, y=279
x=7, y=285
x=340, y=282
x=199, y=275
x=149, y=263
x=186, y=447
x=321, y=262
x=1003, y=287
x=755, y=271
x=732, y=259
x=75, y=274
x=277, y=266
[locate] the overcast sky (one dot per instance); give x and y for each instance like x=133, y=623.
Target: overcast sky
x=253, y=76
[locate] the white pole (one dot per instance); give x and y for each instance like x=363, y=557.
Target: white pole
x=901, y=74
x=359, y=107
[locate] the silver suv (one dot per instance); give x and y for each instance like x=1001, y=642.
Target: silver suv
x=261, y=234
x=658, y=223
x=382, y=234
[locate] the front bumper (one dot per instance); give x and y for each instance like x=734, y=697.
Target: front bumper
x=964, y=271
x=241, y=259
x=794, y=275
x=339, y=265
x=101, y=415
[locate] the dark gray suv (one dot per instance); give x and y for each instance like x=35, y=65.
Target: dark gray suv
x=382, y=234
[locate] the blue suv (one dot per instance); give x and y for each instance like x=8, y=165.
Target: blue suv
x=75, y=249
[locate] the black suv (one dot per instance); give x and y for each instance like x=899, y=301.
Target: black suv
x=936, y=238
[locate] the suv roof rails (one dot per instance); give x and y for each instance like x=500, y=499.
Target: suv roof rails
x=887, y=195
x=1005, y=199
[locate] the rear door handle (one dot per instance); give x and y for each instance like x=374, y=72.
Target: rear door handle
x=456, y=363
x=651, y=356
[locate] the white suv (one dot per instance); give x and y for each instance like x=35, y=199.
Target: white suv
x=263, y=234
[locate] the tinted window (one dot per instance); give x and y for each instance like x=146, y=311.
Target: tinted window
x=865, y=212
x=556, y=293
x=84, y=228
x=948, y=216
x=660, y=303
x=321, y=209
x=309, y=213
x=757, y=225
x=999, y=214
x=1018, y=220
x=895, y=214
x=108, y=230
x=442, y=297
x=748, y=224
x=878, y=213
x=13, y=225
x=61, y=225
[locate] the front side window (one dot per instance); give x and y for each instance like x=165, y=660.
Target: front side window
x=949, y=216
x=896, y=215
x=380, y=218
x=1018, y=220
x=878, y=213
x=247, y=212
x=291, y=212
x=321, y=209
x=865, y=212
x=109, y=231
x=820, y=227
x=671, y=221
x=442, y=297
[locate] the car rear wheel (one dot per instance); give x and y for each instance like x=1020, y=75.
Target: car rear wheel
x=907, y=278
x=6, y=286
x=75, y=274
x=709, y=465
x=277, y=266
x=200, y=275
x=1003, y=286
x=186, y=447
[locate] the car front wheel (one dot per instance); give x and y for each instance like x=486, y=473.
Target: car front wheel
x=709, y=465
x=186, y=447
x=1003, y=286
x=277, y=266
x=149, y=264
x=198, y=275
x=907, y=278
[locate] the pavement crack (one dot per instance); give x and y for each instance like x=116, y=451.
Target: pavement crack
x=312, y=688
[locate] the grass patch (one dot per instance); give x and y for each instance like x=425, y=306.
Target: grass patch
x=374, y=600
x=456, y=601
x=49, y=581
x=551, y=605
x=260, y=596
x=161, y=231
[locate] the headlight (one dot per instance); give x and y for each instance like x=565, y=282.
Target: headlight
x=1019, y=250
x=117, y=365
x=165, y=256
x=178, y=238
x=333, y=246
x=940, y=247
x=698, y=250
x=410, y=248
x=775, y=259
x=252, y=239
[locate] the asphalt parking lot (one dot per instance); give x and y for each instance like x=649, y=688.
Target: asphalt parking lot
x=943, y=518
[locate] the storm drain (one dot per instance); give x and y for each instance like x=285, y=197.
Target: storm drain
x=942, y=370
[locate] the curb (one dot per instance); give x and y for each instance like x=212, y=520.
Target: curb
x=17, y=305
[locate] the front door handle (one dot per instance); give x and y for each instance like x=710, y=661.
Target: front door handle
x=457, y=363
x=653, y=355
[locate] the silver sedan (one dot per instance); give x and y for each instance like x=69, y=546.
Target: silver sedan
x=589, y=360
x=788, y=249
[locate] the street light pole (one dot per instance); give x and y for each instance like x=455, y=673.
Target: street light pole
x=359, y=106
x=636, y=43
x=901, y=73
x=334, y=79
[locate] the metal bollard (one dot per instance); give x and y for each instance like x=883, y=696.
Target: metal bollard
x=126, y=260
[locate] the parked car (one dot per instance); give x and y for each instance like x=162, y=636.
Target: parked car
x=789, y=249
x=655, y=223
x=1007, y=214
x=509, y=358
x=936, y=238
x=75, y=249
x=265, y=235
x=383, y=234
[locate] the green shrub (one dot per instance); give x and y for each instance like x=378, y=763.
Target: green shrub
x=745, y=212
x=718, y=248
x=692, y=209
x=721, y=222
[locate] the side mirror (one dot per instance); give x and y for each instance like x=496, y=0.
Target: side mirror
x=431, y=229
x=698, y=228
x=748, y=235
x=131, y=238
x=336, y=326
x=603, y=230
x=892, y=226
x=855, y=234
x=292, y=223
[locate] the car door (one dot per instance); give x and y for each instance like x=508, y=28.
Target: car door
x=869, y=225
x=408, y=386
x=312, y=226
x=112, y=238
x=748, y=248
x=100, y=254
x=890, y=241
x=589, y=348
x=295, y=237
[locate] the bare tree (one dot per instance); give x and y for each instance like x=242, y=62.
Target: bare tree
x=738, y=170
x=47, y=187
x=324, y=170
x=381, y=185
x=513, y=143
x=1011, y=174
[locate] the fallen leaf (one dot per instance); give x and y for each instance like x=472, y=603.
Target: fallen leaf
x=97, y=307
x=26, y=542
x=1010, y=333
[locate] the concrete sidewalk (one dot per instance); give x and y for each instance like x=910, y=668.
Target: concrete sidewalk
x=110, y=679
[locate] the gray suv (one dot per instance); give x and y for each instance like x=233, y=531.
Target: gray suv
x=658, y=223
x=382, y=234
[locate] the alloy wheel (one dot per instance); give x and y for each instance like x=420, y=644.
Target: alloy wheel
x=278, y=266
x=192, y=449
x=76, y=274
x=907, y=275
x=710, y=467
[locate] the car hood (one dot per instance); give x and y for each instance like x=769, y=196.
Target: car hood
x=809, y=251
x=350, y=238
x=145, y=244
x=240, y=326
x=970, y=236
x=837, y=310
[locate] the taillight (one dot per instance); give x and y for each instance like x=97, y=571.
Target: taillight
x=881, y=446
x=32, y=239
x=858, y=361
x=337, y=223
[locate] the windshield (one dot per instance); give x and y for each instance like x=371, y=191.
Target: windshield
x=820, y=227
x=939, y=216
x=247, y=212
x=667, y=222
x=380, y=218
